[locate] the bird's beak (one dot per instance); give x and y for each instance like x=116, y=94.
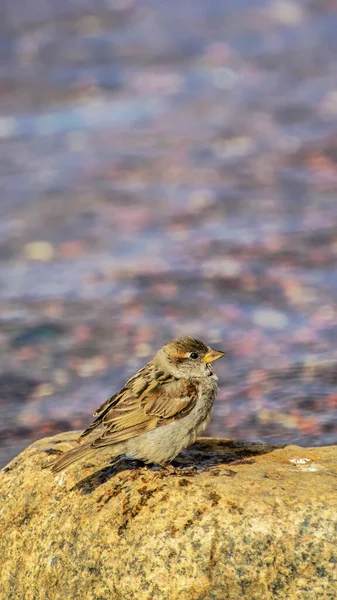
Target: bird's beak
x=212, y=355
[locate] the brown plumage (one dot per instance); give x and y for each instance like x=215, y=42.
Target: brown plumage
x=159, y=411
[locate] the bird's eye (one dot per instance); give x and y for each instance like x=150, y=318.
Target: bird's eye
x=194, y=355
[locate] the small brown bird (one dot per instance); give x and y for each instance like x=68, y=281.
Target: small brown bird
x=159, y=411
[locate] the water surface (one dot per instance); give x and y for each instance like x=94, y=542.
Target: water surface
x=169, y=168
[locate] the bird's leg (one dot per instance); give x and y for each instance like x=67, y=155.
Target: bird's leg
x=168, y=468
x=164, y=470
x=174, y=470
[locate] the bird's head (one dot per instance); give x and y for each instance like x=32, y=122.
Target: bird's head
x=188, y=357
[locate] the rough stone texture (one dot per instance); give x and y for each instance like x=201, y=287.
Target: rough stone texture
x=253, y=521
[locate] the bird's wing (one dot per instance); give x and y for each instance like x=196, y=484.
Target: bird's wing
x=135, y=385
x=140, y=408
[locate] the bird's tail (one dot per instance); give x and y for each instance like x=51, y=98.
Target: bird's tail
x=68, y=458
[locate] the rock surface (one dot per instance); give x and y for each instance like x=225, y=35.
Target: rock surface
x=250, y=521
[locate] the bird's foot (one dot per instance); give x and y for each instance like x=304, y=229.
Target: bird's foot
x=175, y=470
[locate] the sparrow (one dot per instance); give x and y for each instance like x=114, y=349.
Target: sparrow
x=160, y=410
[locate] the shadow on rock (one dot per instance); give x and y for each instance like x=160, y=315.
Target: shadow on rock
x=205, y=455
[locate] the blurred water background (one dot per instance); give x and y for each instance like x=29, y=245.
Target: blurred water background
x=168, y=168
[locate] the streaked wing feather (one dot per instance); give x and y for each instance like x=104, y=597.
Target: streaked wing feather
x=114, y=437
x=176, y=401
x=131, y=414
x=130, y=389
x=135, y=383
x=107, y=404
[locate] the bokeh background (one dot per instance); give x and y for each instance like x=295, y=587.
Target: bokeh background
x=168, y=168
